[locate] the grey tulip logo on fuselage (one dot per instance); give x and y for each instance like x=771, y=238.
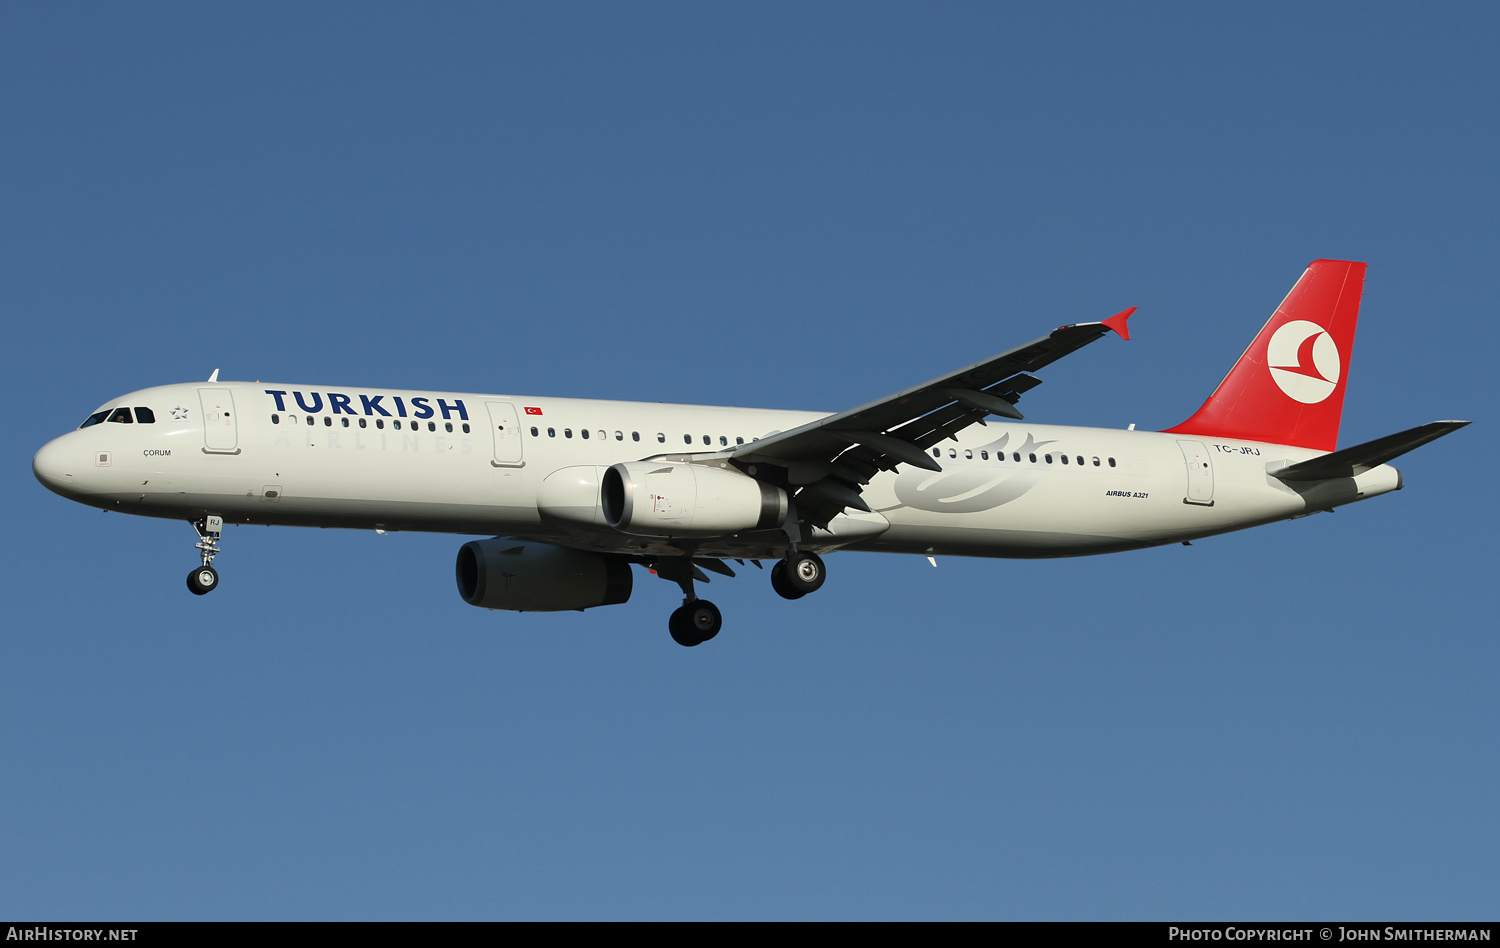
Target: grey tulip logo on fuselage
x=969, y=488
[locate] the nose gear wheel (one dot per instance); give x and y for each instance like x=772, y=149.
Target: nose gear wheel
x=203, y=580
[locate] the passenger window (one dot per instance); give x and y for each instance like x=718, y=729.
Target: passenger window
x=1080, y=460
x=584, y=434
x=984, y=455
x=952, y=453
x=567, y=432
x=432, y=426
x=1033, y=458
x=466, y=427
x=1065, y=459
x=1096, y=462
x=291, y=419
x=311, y=420
x=533, y=430
x=635, y=436
x=344, y=422
x=380, y=423
x=275, y=419
x=604, y=436
x=327, y=422
x=739, y=440
x=1111, y=462
x=551, y=432
x=362, y=423
x=937, y=452
x=619, y=436
x=121, y=416
x=723, y=440
x=95, y=418
x=968, y=455
x=1048, y=457
x=687, y=439
x=145, y=416
x=707, y=440
x=448, y=426
x=661, y=438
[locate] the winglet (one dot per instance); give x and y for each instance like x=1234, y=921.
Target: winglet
x=215, y=376
x=1117, y=323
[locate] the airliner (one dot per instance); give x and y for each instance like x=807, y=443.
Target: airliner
x=573, y=493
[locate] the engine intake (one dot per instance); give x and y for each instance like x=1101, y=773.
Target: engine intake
x=524, y=576
x=671, y=499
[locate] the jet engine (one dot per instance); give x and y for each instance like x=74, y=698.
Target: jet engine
x=667, y=499
x=501, y=573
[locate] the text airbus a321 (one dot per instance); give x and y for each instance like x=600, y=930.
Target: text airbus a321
x=576, y=492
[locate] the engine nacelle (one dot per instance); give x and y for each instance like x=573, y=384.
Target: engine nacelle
x=671, y=499
x=525, y=576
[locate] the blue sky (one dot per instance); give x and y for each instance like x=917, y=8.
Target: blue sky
x=770, y=205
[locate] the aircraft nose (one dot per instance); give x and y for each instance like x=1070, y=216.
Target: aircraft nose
x=54, y=466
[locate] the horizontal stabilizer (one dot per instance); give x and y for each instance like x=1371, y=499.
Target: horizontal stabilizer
x=1349, y=462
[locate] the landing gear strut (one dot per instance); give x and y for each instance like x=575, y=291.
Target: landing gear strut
x=696, y=620
x=205, y=579
x=797, y=575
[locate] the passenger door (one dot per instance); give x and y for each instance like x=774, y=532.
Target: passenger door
x=1200, y=473
x=220, y=428
x=506, y=431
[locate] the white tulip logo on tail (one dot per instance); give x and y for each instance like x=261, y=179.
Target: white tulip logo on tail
x=1304, y=361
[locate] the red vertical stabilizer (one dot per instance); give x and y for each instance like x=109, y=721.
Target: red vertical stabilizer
x=1288, y=387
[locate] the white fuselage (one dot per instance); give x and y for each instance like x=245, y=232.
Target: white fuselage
x=525, y=466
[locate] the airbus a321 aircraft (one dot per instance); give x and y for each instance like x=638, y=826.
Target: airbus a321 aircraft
x=576, y=491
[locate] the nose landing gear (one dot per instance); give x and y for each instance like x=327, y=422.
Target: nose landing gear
x=205, y=579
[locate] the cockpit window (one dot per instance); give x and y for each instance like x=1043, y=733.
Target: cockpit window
x=95, y=418
x=145, y=415
x=121, y=416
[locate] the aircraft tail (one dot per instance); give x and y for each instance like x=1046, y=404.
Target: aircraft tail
x=1288, y=387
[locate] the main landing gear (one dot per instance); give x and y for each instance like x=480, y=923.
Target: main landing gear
x=798, y=575
x=698, y=620
x=695, y=622
x=205, y=579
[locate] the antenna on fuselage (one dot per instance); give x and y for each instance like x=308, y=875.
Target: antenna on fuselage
x=215, y=376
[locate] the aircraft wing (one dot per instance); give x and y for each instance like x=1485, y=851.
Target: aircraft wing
x=827, y=461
